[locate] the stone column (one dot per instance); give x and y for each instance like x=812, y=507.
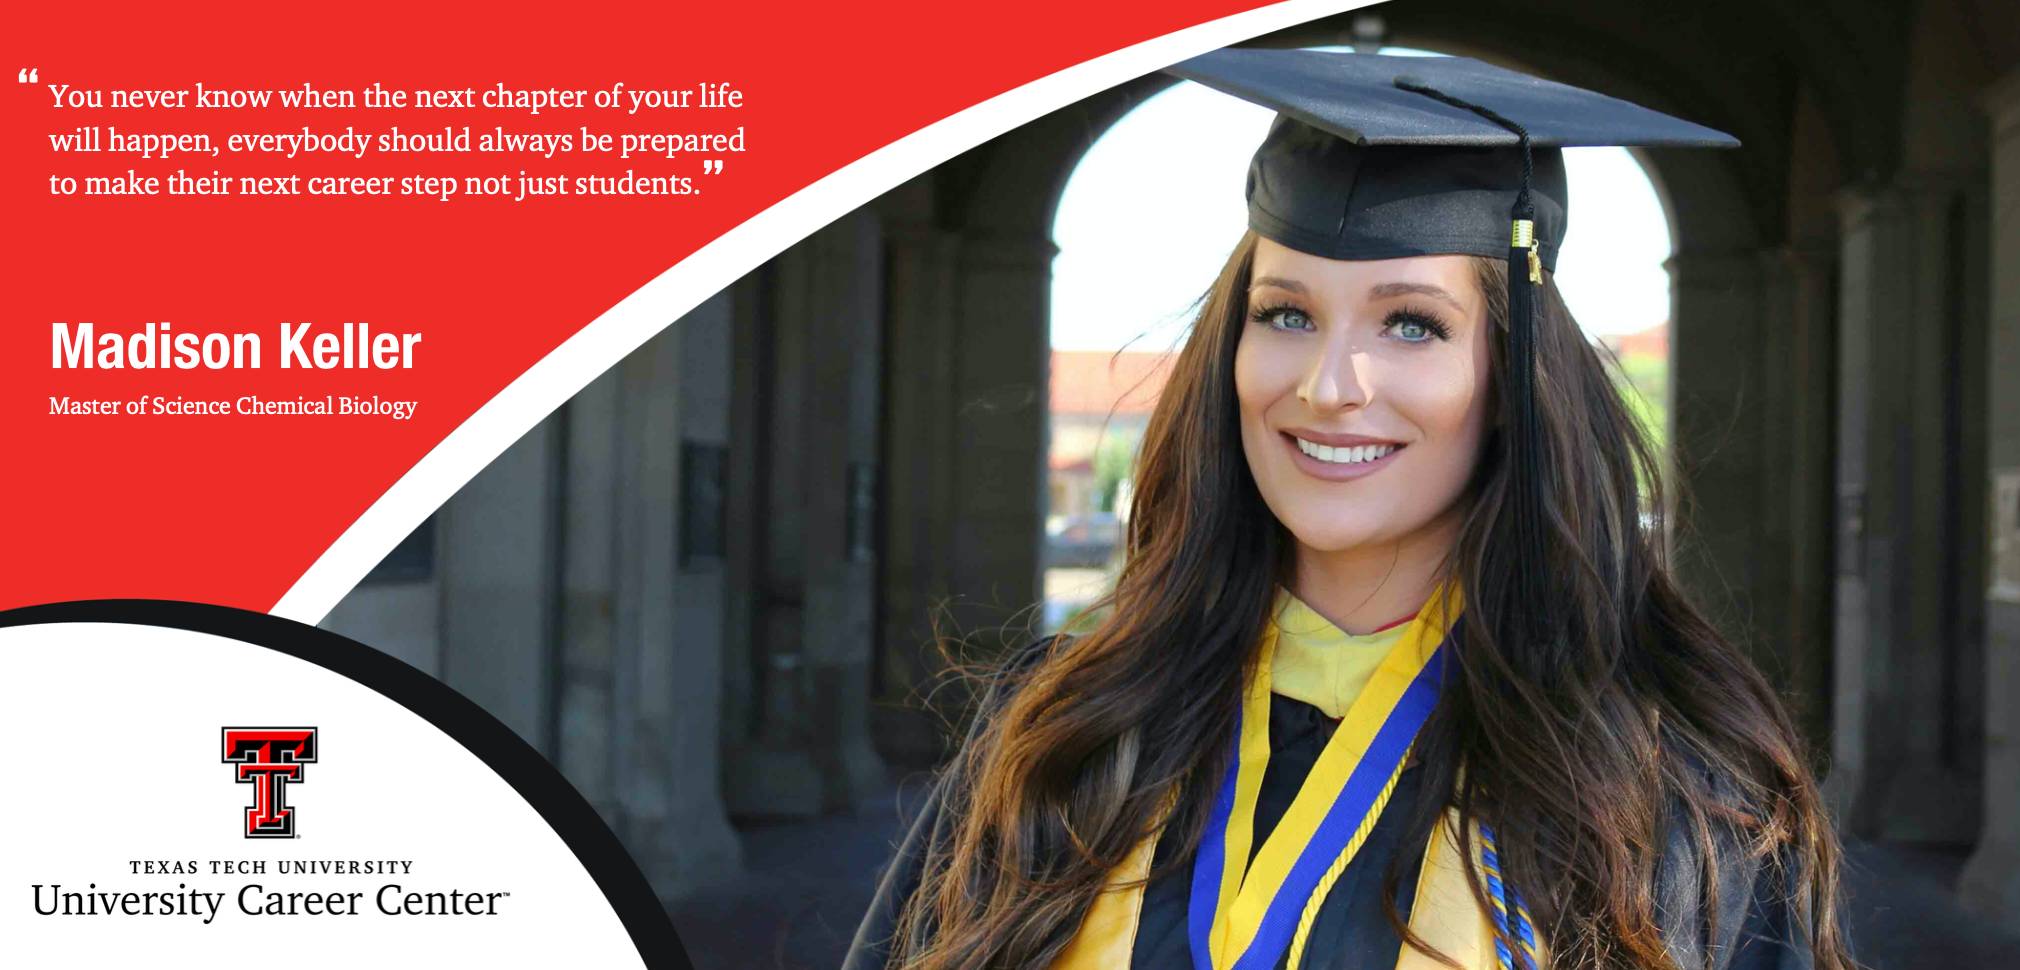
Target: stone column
x=771, y=773
x=1799, y=292
x=1718, y=367
x=968, y=426
x=745, y=512
x=588, y=592
x=1871, y=227
x=1002, y=421
x=919, y=490
x=667, y=626
x=1935, y=796
x=845, y=376
x=496, y=555
x=1905, y=310
x=814, y=581
x=1991, y=881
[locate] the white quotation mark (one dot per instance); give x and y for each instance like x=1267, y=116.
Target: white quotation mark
x=27, y=75
x=711, y=166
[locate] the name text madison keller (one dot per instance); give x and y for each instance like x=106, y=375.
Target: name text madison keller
x=353, y=345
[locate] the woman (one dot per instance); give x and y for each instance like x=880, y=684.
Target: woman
x=1396, y=672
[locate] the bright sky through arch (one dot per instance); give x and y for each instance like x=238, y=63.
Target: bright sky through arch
x=1150, y=213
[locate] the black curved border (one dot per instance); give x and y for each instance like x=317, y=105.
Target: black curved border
x=499, y=747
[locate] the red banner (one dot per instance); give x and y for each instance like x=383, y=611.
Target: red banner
x=424, y=206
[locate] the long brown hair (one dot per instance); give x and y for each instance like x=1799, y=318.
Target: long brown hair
x=1576, y=748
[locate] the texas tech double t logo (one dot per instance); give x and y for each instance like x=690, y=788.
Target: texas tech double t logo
x=267, y=758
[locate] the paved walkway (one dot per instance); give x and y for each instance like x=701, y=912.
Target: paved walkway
x=806, y=884
x=1904, y=916
x=804, y=889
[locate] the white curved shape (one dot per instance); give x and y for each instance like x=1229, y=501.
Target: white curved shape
x=123, y=772
x=653, y=307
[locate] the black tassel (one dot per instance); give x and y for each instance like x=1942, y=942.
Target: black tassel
x=1522, y=429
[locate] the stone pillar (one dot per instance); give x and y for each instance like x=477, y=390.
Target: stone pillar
x=667, y=626
x=745, y=511
x=496, y=557
x=1002, y=421
x=1991, y=881
x=588, y=592
x=919, y=491
x=845, y=378
x=1871, y=236
x=1934, y=796
x=1798, y=476
x=815, y=580
x=1718, y=368
x=770, y=771
x=1897, y=772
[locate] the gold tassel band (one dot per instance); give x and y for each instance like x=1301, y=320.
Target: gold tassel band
x=1524, y=237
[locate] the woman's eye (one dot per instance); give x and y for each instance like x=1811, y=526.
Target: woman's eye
x=1283, y=318
x=1417, y=328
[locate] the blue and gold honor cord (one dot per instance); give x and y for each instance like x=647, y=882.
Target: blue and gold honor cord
x=1247, y=913
x=1507, y=903
x=1507, y=906
x=1339, y=866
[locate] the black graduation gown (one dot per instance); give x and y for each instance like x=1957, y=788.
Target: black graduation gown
x=1352, y=932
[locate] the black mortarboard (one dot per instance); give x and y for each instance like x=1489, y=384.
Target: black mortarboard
x=1375, y=157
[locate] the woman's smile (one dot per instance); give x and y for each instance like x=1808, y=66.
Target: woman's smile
x=1339, y=462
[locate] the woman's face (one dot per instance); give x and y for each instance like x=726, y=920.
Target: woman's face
x=1364, y=391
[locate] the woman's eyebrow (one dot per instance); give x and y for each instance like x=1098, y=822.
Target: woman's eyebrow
x=1279, y=282
x=1383, y=291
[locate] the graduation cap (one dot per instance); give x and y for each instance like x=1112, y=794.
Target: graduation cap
x=1376, y=157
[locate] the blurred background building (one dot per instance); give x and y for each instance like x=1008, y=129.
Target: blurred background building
x=708, y=587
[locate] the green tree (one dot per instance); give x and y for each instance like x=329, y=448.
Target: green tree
x=1644, y=382
x=1113, y=460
